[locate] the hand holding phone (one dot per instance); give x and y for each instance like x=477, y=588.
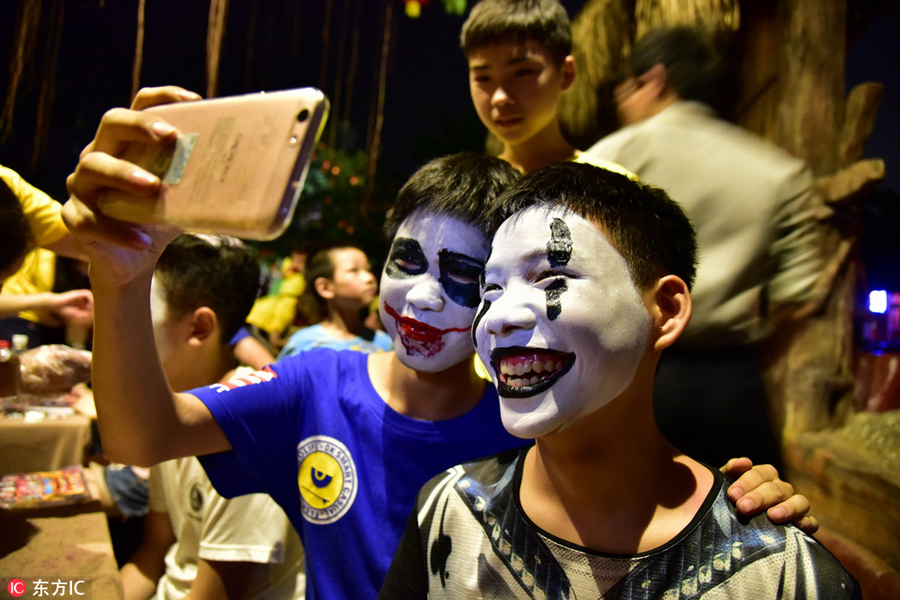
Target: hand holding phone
x=237, y=167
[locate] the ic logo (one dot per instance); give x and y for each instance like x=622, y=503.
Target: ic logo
x=16, y=587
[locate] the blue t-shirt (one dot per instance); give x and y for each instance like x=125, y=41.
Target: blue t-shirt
x=315, y=336
x=312, y=432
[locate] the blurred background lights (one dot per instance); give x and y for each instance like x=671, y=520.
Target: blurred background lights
x=878, y=301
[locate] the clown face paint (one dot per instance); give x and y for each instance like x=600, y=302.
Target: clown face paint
x=430, y=290
x=561, y=324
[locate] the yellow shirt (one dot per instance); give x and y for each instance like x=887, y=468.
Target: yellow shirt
x=43, y=212
x=36, y=275
x=37, y=272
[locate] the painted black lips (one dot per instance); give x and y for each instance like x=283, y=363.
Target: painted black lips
x=561, y=363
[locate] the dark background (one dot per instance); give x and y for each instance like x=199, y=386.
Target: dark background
x=284, y=43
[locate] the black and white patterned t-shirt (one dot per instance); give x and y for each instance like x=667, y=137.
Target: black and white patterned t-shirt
x=470, y=539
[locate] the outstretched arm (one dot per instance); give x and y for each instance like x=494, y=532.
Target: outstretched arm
x=12, y=304
x=759, y=488
x=141, y=420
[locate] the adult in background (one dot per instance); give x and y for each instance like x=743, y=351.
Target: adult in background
x=752, y=205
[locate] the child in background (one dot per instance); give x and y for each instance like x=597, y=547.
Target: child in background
x=31, y=234
x=520, y=61
x=340, y=279
x=196, y=542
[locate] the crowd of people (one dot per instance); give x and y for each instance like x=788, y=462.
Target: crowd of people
x=301, y=444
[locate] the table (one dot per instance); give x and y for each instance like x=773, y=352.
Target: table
x=60, y=546
x=43, y=445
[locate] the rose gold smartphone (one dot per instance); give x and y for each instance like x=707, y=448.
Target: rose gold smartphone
x=237, y=168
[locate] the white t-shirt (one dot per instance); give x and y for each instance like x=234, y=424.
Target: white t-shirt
x=248, y=528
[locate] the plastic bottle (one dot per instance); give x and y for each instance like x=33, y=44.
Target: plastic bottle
x=9, y=377
x=17, y=403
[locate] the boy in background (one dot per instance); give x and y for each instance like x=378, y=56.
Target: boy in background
x=340, y=279
x=195, y=541
x=586, y=284
x=341, y=440
x=520, y=61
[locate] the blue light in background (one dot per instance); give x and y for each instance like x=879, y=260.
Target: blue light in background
x=878, y=301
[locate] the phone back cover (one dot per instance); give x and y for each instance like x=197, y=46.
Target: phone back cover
x=238, y=166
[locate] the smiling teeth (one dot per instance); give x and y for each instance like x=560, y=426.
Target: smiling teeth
x=521, y=368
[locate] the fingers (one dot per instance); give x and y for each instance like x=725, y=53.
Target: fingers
x=91, y=227
x=98, y=170
x=737, y=467
x=99, y=166
x=761, y=489
x=808, y=524
x=167, y=94
x=120, y=126
x=757, y=488
x=793, y=509
x=763, y=496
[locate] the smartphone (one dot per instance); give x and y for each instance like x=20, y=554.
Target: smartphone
x=237, y=167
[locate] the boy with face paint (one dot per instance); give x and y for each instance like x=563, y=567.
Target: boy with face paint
x=587, y=282
x=341, y=440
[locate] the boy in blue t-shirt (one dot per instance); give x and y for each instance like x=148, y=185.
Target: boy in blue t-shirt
x=341, y=440
x=339, y=278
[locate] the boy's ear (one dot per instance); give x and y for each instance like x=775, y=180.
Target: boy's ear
x=323, y=287
x=670, y=307
x=568, y=71
x=655, y=79
x=204, y=323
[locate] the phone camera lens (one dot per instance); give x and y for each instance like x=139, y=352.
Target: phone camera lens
x=304, y=115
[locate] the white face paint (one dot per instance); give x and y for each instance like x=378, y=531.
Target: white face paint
x=429, y=290
x=561, y=323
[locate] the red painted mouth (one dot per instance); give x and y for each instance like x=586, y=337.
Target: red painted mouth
x=419, y=338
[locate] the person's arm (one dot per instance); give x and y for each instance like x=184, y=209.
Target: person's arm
x=217, y=579
x=68, y=246
x=142, y=422
x=251, y=352
x=759, y=488
x=13, y=304
x=798, y=284
x=147, y=565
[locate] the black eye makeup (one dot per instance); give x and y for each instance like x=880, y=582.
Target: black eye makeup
x=559, y=253
x=559, y=248
x=406, y=259
x=461, y=277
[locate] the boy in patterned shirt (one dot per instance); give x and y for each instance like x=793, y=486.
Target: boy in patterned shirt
x=586, y=284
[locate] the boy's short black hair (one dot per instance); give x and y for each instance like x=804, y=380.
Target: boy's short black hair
x=543, y=21
x=216, y=271
x=461, y=186
x=320, y=264
x=694, y=68
x=16, y=237
x=649, y=229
